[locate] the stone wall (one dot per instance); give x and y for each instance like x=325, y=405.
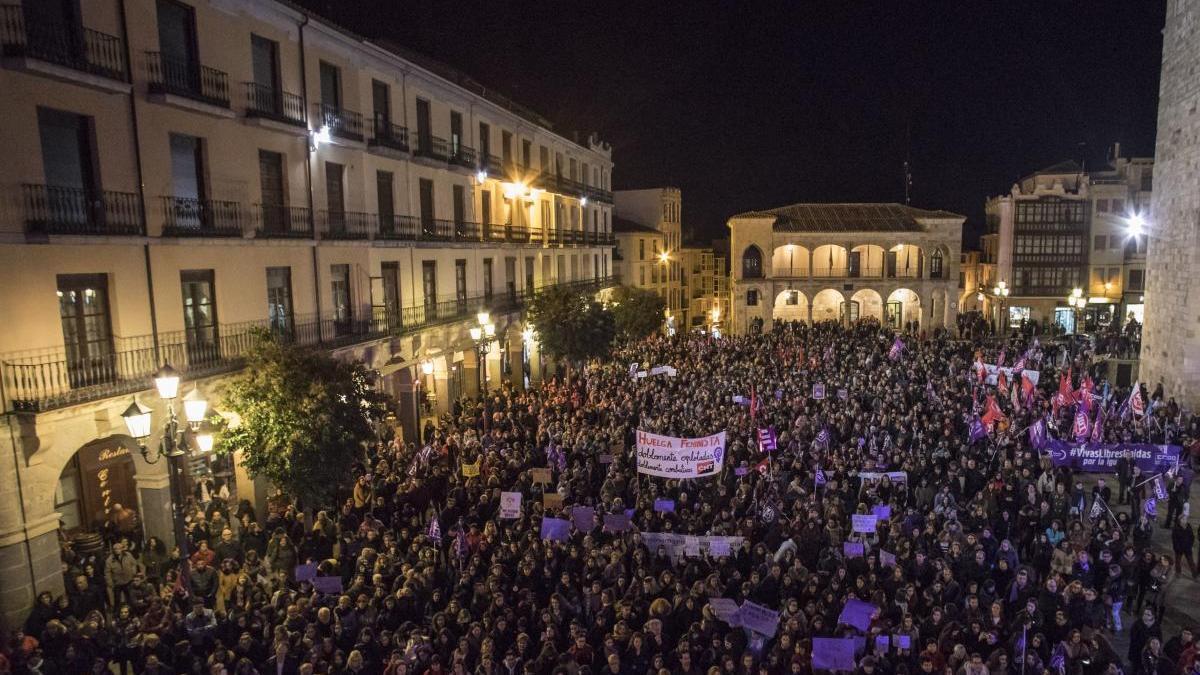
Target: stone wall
x=1171, y=337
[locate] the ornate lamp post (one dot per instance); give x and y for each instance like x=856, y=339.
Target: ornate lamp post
x=482, y=335
x=173, y=444
x=1001, y=291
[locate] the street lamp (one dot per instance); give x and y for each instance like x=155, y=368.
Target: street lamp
x=1077, y=302
x=174, y=442
x=1001, y=291
x=1135, y=225
x=482, y=335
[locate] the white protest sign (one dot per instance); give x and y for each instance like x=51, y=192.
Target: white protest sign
x=671, y=457
x=894, y=476
x=864, y=523
x=510, y=505
x=726, y=610
x=992, y=378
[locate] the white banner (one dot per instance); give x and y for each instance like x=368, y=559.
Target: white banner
x=510, y=505
x=683, y=545
x=670, y=457
x=894, y=476
x=992, y=378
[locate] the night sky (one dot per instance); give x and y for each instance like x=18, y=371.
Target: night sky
x=747, y=105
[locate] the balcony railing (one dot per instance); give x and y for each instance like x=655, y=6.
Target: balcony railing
x=51, y=209
x=187, y=78
x=347, y=225
x=491, y=164
x=431, y=147
x=190, y=217
x=73, y=47
x=389, y=135
x=399, y=228
x=342, y=123
x=278, y=221
x=48, y=379
x=274, y=104
x=461, y=155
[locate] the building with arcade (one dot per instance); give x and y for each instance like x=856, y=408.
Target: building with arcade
x=842, y=262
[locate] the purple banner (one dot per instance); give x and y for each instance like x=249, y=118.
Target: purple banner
x=1102, y=457
x=858, y=614
x=327, y=585
x=664, y=505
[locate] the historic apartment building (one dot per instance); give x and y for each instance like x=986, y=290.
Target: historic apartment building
x=178, y=175
x=704, y=284
x=842, y=262
x=1170, y=342
x=1064, y=228
x=648, y=232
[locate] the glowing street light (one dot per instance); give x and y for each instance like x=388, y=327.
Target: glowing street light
x=1135, y=225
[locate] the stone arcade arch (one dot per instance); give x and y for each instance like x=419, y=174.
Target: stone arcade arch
x=790, y=305
x=903, y=307
x=869, y=304
x=827, y=305
x=790, y=260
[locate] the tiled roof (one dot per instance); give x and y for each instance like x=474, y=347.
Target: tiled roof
x=885, y=217
x=620, y=224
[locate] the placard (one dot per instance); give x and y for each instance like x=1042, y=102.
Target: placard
x=470, y=470
x=327, y=585
x=510, y=505
x=552, y=501
x=664, y=505
x=818, y=391
x=758, y=618
x=726, y=610
x=306, y=572
x=617, y=522
x=843, y=394
x=556, y=529
x=671, y=457
x=583, y=517
x=542, y=476
x=852, y=549
x=863, y=523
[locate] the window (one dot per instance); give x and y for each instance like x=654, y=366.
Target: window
x=460, y=207
x=391, y=295
x=270, y=174
x=1147, y=179
x=487, y=278
x=199, y=315
x=343, y=314
x=752, y=267
x=1099, y=242
x=335, y=197
x=1118, y=206
x=87, y=328
x=485, y=207
x=67, y=499
x=279, y=300
x=641, y=249
x=69, y=168
x=381, y=106
x=187, y=208
x=485, y=141
x=385, y=201
x=460, y=284
x=179, y=65
x=426, y=197
x=1102, y=206
x=935, y=265
x=526, y=153
x=331, y=86
x=543, y=158
x=1137, y=280
x=424, y=128
x=654, y=274
x=642, y=281
x=265, y=94
x=529, y=274
x=506, y=147
x=429, y=287
x=752, y=297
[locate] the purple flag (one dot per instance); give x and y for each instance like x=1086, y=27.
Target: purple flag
x=1098, y=426
x=766, y=440
x=833, y=654
x=306, y=572
x=1081, y=427
x=1037, y=434
x=818, y=391
x=741, y=471
x=556, y=529
x=819, y=477
x=435, y=530
x=582, y=517
x=327, y=585
x=823, y=436
x=930, y=394
x=977, y=429
x=461, y=548
x=1160, y=490
x=858, y=614
x=897, y=348
x=664, y=505
x=1150, y=506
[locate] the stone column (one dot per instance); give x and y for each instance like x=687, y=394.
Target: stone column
x=154, y=495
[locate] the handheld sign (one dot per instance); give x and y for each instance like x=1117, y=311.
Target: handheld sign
x=542, y=476
x=863, y=523
x=510, y=505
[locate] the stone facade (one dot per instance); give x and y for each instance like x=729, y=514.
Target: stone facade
x=1171, y=336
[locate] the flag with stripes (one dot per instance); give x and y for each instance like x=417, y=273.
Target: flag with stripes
x=435, y=529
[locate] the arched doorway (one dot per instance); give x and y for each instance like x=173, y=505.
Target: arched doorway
x=790, y=260
x=869, y=303
x=903, y=308
x=790, y=305
x=905, y=261
x=97, y=479
x=829, y=261
x=867, y=261
x=752, y=263
x=827, y=306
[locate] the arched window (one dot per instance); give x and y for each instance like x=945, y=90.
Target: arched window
x=935, y=265
x=752, y=267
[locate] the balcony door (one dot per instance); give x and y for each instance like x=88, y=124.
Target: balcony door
x=279, y=302
x=200, y=316
x=381, y=106
x=87, y=328
x=270, y=173
x=187, y=181
x=72, y=185
x=264, y=57
x=424, y=127
x=391, y=296
x=343, y=312
x=426, y=197
x=456, y=133
x=460, y=285
x=385, y=201
x=53, y=29
x=335, y=196
x=331, y=86
x=429, y=288
x=177, y=45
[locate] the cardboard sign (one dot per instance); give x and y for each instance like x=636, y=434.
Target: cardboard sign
x=470, y=470
x=542, y=477
x=510, y=505
x=552, y=501
x=726, y=610
x=843, y=394
x=758, y=618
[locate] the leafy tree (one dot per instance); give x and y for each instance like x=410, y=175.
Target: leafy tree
x=304, y=417
x=637, y=312
x=571, y=325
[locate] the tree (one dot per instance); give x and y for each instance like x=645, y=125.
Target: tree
x=304, y=418
x=637, y=312
x=571, y=325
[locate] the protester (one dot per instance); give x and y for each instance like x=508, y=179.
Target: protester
x=911, y=516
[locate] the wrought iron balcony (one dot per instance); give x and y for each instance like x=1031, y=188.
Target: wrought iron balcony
x=51, y=209
x=189, y=79
x=431, y=147
x=190, y=217
x=342, y=123
x=461, y=155
x=279, y=221
x=74, y=47
x=388, y=135
x=399, y=228
x=53, y=378
x=274, y=104
x=347, y=225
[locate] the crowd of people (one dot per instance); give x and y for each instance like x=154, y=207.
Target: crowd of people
x=988, y=559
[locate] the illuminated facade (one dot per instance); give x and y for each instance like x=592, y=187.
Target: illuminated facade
x=184, y=174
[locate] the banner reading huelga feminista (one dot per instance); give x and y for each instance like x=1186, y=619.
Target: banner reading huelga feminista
x=670, y=457
x=1102, y=457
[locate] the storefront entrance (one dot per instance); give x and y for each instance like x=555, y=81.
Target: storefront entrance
x=99, y=477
